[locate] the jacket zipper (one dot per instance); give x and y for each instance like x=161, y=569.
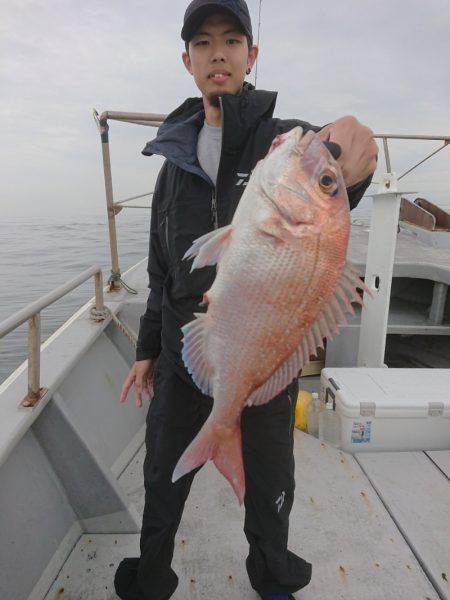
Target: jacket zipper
x=215, y=217
x=214, y=210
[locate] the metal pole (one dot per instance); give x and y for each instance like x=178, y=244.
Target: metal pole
x=437, y=308
x=35, y=392
x=29, y=311
x=115, y=270
x=99, y=304
x=386, y=155
x=257, y=42
x=446, y=143
x=379, y=269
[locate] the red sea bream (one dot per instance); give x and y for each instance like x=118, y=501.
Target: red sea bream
x=282, y=286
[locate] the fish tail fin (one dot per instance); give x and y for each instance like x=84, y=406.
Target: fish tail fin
x=224, y=451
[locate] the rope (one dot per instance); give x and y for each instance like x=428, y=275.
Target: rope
x=127, y=333
x=99, y=315
x=116, y=276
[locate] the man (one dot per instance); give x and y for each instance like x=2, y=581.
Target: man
x=211, y=145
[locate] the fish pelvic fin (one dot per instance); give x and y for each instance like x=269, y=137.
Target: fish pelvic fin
x=207, y=249
x=223, y=447
x=326, y=325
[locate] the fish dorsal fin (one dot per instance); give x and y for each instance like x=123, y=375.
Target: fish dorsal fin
x=194, y=355
x=208, y=248
x=326, y=324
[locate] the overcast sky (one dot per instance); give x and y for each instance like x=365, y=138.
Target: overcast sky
x=385, y=61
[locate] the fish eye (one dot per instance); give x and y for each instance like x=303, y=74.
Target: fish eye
x=328, y=183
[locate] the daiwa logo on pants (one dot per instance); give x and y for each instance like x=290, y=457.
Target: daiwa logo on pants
x=280, y=501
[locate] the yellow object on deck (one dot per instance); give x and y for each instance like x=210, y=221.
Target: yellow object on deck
x=303, y=399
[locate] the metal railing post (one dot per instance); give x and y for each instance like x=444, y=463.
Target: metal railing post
x=378, y=275
x=32, y=315
x=35, y=392
x=387, y=157
x=99, y=303
x=437, y=308
x=114, y=282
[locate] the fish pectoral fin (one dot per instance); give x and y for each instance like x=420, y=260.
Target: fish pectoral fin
x=326, y=324
x=208, y=249
x=225, y=451
x=194, y=355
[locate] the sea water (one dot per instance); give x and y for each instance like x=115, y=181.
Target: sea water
x=38, y=254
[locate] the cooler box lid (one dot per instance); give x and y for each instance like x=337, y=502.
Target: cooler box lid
x=391, y=393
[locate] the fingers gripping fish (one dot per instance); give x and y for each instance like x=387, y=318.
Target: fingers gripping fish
x=282, y=286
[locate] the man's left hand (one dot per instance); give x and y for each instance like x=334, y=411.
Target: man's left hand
x=359, y=150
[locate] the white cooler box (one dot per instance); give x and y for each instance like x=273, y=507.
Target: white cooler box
x=390, y=409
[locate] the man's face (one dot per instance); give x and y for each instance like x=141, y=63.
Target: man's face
x=218, y=57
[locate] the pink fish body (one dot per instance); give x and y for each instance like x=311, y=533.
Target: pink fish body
x=282, y=286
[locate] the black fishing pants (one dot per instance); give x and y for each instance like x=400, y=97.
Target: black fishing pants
x=176, y=414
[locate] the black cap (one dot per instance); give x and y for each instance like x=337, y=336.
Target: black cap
x=199, y=10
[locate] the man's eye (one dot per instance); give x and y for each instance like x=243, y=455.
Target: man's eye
x=233, y=41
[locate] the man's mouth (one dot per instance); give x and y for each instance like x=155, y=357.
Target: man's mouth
x=220, y=76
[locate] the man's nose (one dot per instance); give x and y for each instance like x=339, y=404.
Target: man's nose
x=218, y=55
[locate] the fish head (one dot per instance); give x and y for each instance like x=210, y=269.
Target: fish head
x=304, y=184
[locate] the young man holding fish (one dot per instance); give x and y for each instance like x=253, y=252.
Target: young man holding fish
x=212, y=144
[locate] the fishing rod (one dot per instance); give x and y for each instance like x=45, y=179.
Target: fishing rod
x=257, y=41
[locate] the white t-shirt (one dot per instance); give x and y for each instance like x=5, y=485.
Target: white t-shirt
x=209, y=145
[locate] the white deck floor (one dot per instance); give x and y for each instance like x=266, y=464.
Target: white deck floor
x=339, y=523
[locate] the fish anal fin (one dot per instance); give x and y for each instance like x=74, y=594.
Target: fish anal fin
x=194, y=354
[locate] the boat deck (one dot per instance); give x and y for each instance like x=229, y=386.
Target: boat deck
x=413, y=257
x=374, y=526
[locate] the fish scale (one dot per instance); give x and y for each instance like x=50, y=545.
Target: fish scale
x=282, y=285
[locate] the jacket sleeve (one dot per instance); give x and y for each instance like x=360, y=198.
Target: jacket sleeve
x=356, y=192
x=149, y=338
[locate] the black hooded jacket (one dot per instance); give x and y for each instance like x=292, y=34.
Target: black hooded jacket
x=186, y=205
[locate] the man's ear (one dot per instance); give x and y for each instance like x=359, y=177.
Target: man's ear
x=252, y=56
x=187, y=62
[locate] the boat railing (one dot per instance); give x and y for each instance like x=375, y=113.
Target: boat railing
x=156, y=120
x=32, y=314
x=389, y=136
x=113, y=208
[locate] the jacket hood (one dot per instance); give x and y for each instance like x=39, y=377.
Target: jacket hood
x=177, y=136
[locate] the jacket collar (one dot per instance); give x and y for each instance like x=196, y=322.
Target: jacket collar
x=177, y=136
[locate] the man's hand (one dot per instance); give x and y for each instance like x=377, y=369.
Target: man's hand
x=141, y=375
x=359, y=150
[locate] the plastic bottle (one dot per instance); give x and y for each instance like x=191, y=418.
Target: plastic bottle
x=330, y=426
x=314, y=409
x=303, y=401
